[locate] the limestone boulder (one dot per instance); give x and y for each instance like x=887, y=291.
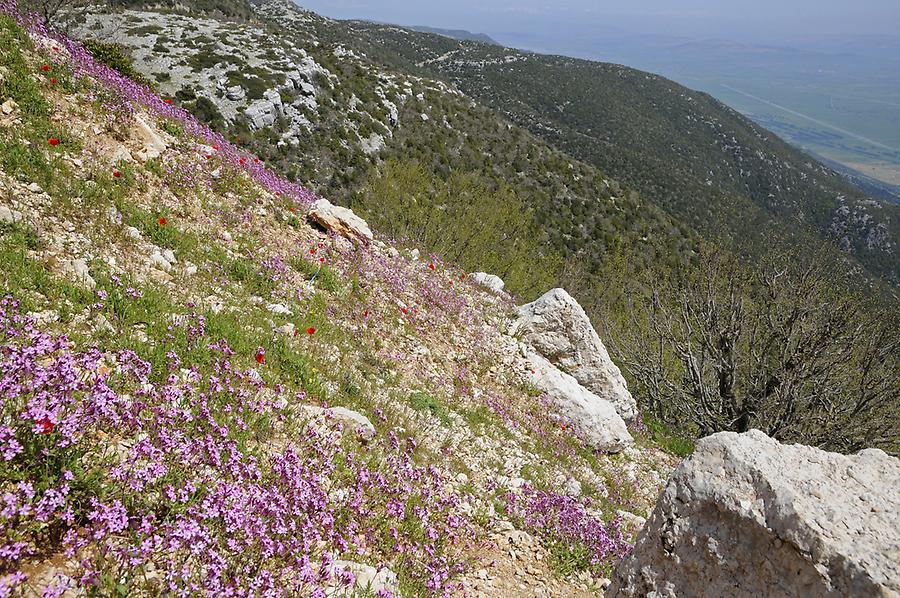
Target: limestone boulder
x=151, y=143
x=489, y=281
x=350, y=419
x=594, y=418
x=557, y=327
x=747, y=516
x=340, y=220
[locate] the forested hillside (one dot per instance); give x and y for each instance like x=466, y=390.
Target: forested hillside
x=686, y=152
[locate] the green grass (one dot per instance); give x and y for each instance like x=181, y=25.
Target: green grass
x=668, y=439
x=320, y=274
x=422, y=401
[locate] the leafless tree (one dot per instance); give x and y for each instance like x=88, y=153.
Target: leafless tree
x=780, y=348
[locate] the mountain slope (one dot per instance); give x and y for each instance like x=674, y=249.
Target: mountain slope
x=325, y=115
x=202, y=392
x=704, y=163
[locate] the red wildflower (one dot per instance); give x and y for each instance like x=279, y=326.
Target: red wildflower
x=321, y=245
x=322, y=259
x=312, y=251
x=215, y=147
x=404, y=310
x=162, y=221
x=294, y=210
x=243, y=160
x=366, y=314
x=431, y=266
x=53, y=81
x=116, y=173
x=260, y=357
x=169, y=101
x=462, y=276
x=53, y=141
x=46, y=68
x=44, y=425
x=310, y=330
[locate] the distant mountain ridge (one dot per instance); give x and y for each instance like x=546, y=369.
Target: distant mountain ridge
x=460, y=34
x=385, y=91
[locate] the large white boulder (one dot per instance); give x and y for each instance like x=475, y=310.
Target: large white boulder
x=748, y=516
x=593, y=418
x=556, y=326
x=489, y=281
x=340, y=220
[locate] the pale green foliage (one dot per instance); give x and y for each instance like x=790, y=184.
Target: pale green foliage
x=463, y=220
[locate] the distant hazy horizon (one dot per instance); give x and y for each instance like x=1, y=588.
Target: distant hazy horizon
x=824, y=75
x=761, y=20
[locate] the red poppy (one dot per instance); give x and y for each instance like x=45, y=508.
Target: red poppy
x=169, y=101
x=563, y=426
x=44, y=425
x=294, y=210
x=321, y=245
x=53, y=141
x=322, y=259
x=243, y=160
x=116, y=173
x=310, y=330
x=53, y=81
x=431, y=266
x=260, y=357
x=162, y=221
x=462, y=276
x=366, y=314
x=46, y=68
x=215, y=147
x=404, y=310
x=312, y=251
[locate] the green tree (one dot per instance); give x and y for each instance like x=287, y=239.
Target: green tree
x=462, y=219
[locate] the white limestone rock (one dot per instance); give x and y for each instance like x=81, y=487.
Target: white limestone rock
x=594, y=418
x=340, y=220
x=489, y=281
x=556, y=326
x=747, y=516
x=351, y=419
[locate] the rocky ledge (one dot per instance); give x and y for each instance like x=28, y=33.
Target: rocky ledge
x=748, y=516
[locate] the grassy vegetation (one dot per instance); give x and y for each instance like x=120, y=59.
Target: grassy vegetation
x=422, y=401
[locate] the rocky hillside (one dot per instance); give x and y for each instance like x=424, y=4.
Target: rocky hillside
x=702, y=162
x=323, y=113
x=215, y=382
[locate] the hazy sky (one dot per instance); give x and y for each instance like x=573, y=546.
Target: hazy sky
x=747, y=19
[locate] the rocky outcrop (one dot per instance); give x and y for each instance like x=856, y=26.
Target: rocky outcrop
x=594, y=419
x=152, y=145
x=368, y=579
x=489, y=281
x=264, y=112
x=351, y=419
x=748, y=516
x=340, y=220
x=557, y=328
